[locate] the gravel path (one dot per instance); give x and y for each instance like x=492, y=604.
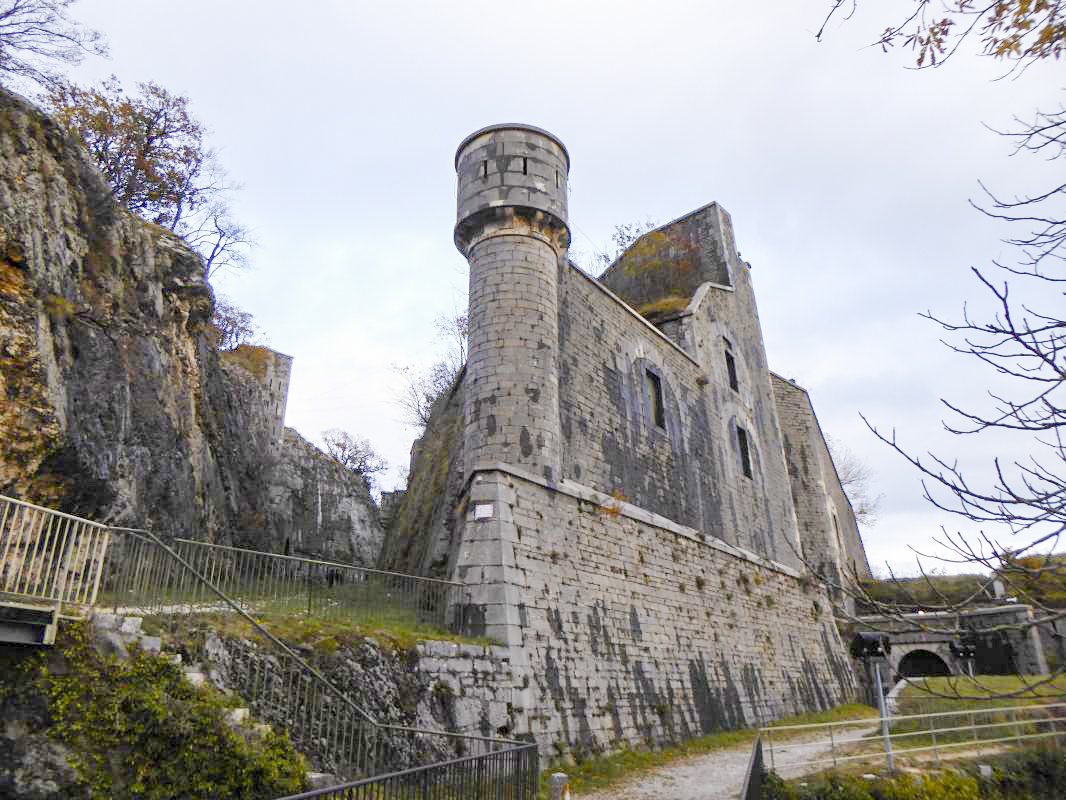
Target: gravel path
x=713, y=776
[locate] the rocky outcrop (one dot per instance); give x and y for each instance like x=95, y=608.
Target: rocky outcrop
x=320, y=508
x=114, y=403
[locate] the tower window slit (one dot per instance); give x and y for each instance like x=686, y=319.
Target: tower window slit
x=655, y=398
x=525, y=165
x=484, y=169
x=731, y=368
x=745, y=453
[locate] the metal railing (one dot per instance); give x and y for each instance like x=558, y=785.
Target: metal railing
x=270, y=582
x=279, y=685
x=504, y=775
x=186, y=590
x=922, y=736
x=50, y=558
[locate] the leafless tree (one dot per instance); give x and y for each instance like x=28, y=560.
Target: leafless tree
x=1018, y=506
x=38, y=37
x=856, y=480
x=233, y=326
x=354, y=453
x=421, y=389
x=221, y=241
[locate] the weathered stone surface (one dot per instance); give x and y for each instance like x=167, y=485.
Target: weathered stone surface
x=33, y=767
x=320, y=508
x=623, y=517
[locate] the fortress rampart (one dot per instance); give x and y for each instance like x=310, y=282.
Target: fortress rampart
x=622, y=512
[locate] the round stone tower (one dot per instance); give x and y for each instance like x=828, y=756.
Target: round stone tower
x=512, y=228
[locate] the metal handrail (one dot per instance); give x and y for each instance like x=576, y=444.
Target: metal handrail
x=408, y=779
x=366, y=750
x=50, y=558
x=305, y=560
x=325, y=589
x=1020, y=716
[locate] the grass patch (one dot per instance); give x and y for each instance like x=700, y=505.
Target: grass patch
x=398, y=632
x=982, y=698
x=601, y=772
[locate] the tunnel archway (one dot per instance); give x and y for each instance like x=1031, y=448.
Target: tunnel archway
x=922, y=663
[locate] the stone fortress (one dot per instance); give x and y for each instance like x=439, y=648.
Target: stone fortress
x=630, y=496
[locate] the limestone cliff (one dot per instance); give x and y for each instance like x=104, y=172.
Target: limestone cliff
x=319, y=507
x=114, y=403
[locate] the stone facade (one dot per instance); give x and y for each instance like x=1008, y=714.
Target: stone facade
x=828, y=530
x=630, y=504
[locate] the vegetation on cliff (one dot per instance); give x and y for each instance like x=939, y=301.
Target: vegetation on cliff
x=137, y=728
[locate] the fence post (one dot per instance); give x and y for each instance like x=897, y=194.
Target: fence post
x=932, y=730
x=884, y=719
x=560, y=786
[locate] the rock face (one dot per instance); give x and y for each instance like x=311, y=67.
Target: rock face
x=114, y=403
x=319, y=507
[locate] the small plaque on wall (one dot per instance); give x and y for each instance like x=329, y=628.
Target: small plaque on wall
x=483, y=511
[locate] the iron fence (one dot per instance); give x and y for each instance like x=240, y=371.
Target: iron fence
x=808, y=748
x=195, y=588
x=50, y=558
x=510, y=774
x=185, y=590
x=266, y=583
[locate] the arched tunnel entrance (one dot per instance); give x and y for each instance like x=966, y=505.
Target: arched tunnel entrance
x=922, y=663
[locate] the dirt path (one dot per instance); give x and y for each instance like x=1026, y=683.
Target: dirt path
x=713, y=776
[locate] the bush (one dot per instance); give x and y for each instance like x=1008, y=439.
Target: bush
x=941, y=786
x=137, y=728
x=1028, y=775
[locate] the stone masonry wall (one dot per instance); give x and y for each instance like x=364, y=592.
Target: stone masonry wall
x=637, y=630
x=691, y=470
x=827, y=526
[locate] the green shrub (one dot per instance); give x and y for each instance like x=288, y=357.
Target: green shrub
x=1028, y=775
x=138, y=729
x=948, y=785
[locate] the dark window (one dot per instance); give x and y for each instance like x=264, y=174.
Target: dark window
x=525, y=166
x=655, y=398
x=556, y=179
x=745, y=454
x=731, y=368
x=731, y=365
x=484, y=169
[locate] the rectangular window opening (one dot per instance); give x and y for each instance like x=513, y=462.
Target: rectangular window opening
x=731, y=368
x=655, y=398
x=525, y=165
x=745, y=454
x=484, y=169
x=556, y=179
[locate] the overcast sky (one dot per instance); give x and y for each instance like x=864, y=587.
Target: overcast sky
x=846, y=174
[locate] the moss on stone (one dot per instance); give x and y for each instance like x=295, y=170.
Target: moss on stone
x=254, y=358
x=137, y=728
